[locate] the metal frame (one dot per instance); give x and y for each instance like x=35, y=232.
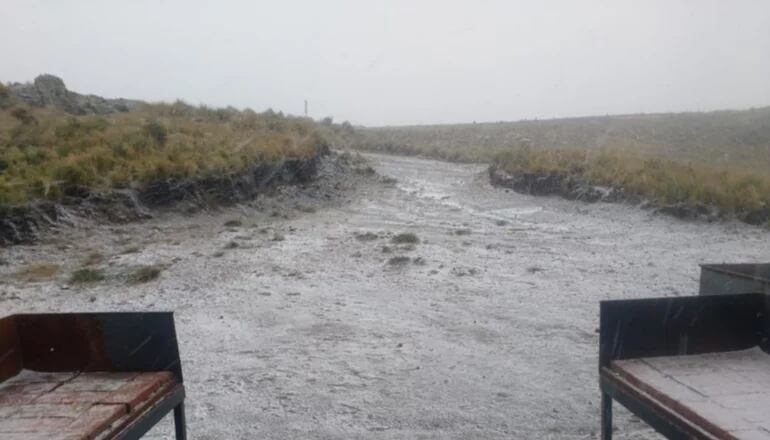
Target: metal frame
x=174, y=400
x=734, y=278
x=668, y=327
x=85, y=342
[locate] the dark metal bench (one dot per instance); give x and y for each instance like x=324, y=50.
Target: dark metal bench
x=691, y=367
x=716, y=279
x=88, y=375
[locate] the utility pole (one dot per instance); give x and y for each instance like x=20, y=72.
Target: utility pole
x=306, y=108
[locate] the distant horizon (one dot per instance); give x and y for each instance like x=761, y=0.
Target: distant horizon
x=338, y=120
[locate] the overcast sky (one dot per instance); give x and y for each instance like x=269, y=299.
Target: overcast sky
x=401, y=62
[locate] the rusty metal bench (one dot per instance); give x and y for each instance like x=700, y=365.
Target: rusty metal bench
x=88, y=375
x=691, y=367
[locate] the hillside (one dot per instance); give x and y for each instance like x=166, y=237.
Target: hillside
x=60, y=148
x=732, y=138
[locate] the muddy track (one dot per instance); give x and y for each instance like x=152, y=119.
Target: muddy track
x=318, y=326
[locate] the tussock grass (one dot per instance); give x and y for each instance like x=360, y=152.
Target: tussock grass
x=44, y=153
x=86, y=275
x=731, y=190
x=144, y=274
x=405, y=238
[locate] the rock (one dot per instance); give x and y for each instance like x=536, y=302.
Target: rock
x=49, y=90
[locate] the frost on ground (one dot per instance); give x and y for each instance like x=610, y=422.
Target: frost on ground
x=301, y=315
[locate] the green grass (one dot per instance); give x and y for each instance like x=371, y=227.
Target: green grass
x=86, y=275
x=46, y=152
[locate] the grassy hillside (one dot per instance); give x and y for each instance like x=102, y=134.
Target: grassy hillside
x=44, y=152
x=720, y=159
x=719, y=138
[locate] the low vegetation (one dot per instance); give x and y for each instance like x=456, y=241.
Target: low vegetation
x=405, y=238
x=663, y=181
x=144, y=274
x=87, y=275
x=399, y=260
x=35, y=272
x=717, y=159
x=46, y=153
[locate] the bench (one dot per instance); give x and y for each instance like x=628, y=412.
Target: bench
x=690, y=367
x=88, y=376
x=718, y=279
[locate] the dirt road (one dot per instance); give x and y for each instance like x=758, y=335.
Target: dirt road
x=313, y=328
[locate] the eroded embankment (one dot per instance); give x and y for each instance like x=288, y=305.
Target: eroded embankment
x=575, y=188
x=24, y=223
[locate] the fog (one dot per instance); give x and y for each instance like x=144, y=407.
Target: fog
x=401, y=62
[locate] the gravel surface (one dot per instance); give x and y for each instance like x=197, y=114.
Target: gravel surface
x=304, y=318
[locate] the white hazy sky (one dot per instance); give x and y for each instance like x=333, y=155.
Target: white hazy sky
x=401, y=62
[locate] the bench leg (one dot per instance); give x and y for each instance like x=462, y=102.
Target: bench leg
x=606, y=417
x=179, y=422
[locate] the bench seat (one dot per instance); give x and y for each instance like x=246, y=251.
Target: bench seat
x=78, y=406
x=725, y=394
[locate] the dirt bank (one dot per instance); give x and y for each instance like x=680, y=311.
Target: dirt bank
x=301, y=316
x=574, y=188
x=23, y=224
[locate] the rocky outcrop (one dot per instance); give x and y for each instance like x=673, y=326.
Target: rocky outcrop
x=49, y=90
x=23, y=224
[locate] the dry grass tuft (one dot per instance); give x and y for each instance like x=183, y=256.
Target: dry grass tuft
x=37, y=272
x=144, y=274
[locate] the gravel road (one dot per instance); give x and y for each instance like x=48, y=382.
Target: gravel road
x=306, y=320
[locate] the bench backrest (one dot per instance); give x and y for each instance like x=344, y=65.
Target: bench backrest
x=678, y=326
x=142, y=342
